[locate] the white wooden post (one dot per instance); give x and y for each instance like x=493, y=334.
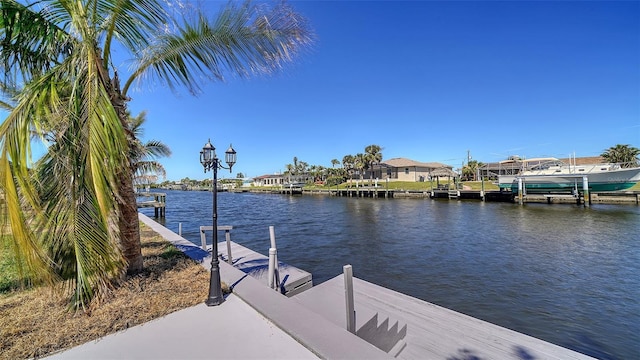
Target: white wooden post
x=272, y=258
x=276, y=268
x=180, y=229
x=348, y=297
x=203, y=238
x=227, y=235
x=585, y=191
x=520, y=190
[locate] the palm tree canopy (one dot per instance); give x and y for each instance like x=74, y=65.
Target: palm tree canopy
x=625, y=154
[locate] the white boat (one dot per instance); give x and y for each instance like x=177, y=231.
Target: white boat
x=552, y=175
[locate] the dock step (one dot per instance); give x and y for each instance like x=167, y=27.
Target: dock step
x=292, y=280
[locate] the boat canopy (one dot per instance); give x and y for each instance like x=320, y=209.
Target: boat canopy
x=528, y=161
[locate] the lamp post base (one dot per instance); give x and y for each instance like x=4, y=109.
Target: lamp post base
x=215, y=289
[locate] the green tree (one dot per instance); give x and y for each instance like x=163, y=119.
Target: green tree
x=348, y=164
x=470, y=171
x=372, y=155
x=143, y=155
x=73, y=101
x=627, y=155
x=359, y=164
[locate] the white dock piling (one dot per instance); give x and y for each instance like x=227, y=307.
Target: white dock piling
x=272, y=268
x=348, y=297
x=585, y=191
x=180, y=229
x=276, y=273
x=520, y=191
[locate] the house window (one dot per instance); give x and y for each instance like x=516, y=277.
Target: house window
x=406, y=171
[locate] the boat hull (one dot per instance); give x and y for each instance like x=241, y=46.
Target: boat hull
x=614, y=180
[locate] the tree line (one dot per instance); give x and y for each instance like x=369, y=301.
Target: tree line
x=339, y=172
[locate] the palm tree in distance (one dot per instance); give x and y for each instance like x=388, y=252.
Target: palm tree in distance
x=470, y=170
x=72, y=100
x=359, y=164
x=626, y=155
x=372, y=155
x=348, y=164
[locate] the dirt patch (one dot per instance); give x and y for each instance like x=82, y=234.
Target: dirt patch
x=38, y=322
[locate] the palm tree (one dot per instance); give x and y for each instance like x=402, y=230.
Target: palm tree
x=61, y=51
x=359, y=164
x=348, y=164
x=627, y=155
x=143, y=155
x=470, y=170
x=372, y=155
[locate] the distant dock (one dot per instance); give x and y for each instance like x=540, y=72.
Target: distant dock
x=158, y=203
x=611, y=197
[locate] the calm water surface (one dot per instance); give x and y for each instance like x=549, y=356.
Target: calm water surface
x=562, y=273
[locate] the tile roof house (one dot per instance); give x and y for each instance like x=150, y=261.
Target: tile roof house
x=403, y=169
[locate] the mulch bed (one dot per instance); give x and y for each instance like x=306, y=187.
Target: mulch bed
x=37, y=322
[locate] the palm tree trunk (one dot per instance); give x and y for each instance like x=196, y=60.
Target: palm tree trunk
x=128, y=209
x=128, y=223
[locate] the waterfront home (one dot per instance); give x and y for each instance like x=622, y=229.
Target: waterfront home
x=269, y=180
x=281, y=179
x=403, y=169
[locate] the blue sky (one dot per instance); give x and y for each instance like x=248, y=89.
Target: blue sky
x=425, y=80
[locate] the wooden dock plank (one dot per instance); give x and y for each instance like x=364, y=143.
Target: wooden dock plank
x=424, y=330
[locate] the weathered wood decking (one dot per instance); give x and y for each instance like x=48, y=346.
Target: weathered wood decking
x=158, y=203
x=409, y=328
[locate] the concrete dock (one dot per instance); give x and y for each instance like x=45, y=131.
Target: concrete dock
x=409, y=328
x=256, y=321
x=292, y=279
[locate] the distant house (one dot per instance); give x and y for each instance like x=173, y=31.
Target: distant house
x=281, y=179
x=269, y=180
x=402, y=169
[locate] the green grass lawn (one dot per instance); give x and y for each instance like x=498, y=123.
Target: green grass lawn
x=8, y=274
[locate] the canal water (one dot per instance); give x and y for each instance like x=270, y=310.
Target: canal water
x=562, y=273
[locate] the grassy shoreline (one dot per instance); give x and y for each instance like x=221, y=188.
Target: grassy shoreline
x=170, y=282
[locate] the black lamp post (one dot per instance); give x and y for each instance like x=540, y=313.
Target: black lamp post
x=210, y=161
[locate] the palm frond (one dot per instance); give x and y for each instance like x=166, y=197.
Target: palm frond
x=31, y=41
x=243, y=40
x=132, y=22
x=146, y=168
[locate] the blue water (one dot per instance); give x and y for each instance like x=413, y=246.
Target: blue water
x=562, y=273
